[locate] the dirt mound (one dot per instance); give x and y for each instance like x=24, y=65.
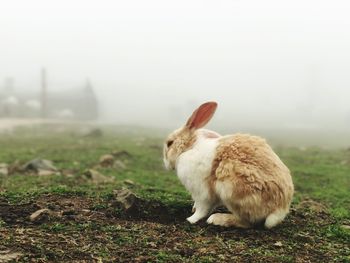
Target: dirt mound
x=16, y=214
x=140, y=209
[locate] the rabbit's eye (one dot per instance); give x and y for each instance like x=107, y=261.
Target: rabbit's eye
x=169, y=143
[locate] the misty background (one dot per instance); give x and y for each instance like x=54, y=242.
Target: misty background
x=271, y=65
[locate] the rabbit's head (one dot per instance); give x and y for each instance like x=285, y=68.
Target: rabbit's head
x=184, y=138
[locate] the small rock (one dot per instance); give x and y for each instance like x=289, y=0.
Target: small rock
x=45, y=172
x=86, y=211
x=15, y=167
x=152, y=244
x=8, y=256
x=4, y=169
x=121, y=154
x=346, y=227
x=69, y=173
x=278, y=244
x=119, y=165
x=40, y=215
x=98, y=178
x=344, y=162
x=129, y=182
x=94, y=133
x=305, y=236
x=106, y=160
x=125, y=198
x=39, y=164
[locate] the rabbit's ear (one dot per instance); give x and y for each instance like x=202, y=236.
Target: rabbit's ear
x=202, y=115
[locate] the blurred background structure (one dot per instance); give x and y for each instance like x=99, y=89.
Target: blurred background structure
x=73, y=104
x=273, y=66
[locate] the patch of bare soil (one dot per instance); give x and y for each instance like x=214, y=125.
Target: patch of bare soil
x=82, y=229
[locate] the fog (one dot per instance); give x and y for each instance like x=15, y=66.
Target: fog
x=269, y=64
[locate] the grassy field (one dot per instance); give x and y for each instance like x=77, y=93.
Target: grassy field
x=85, y=224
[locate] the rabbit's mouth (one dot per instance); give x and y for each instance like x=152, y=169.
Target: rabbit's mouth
x=168, y=165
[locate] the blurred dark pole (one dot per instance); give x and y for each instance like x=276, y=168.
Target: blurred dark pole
x=43, y=93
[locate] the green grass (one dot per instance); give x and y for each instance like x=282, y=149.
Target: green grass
x=322, y=175
x=319, y=174
x=69, y=152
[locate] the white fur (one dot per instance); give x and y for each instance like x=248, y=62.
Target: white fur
x=166, y=163
x=275, y=218
x=193, y=167
x=224, y=190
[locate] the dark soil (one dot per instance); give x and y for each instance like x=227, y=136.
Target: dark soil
x=83, y=229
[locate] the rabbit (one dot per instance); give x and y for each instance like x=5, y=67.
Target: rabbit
x=239, y=171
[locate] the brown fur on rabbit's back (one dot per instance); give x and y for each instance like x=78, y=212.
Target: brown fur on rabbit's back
x=259, y=181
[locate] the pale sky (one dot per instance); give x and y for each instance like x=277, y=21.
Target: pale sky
x=279, y=62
